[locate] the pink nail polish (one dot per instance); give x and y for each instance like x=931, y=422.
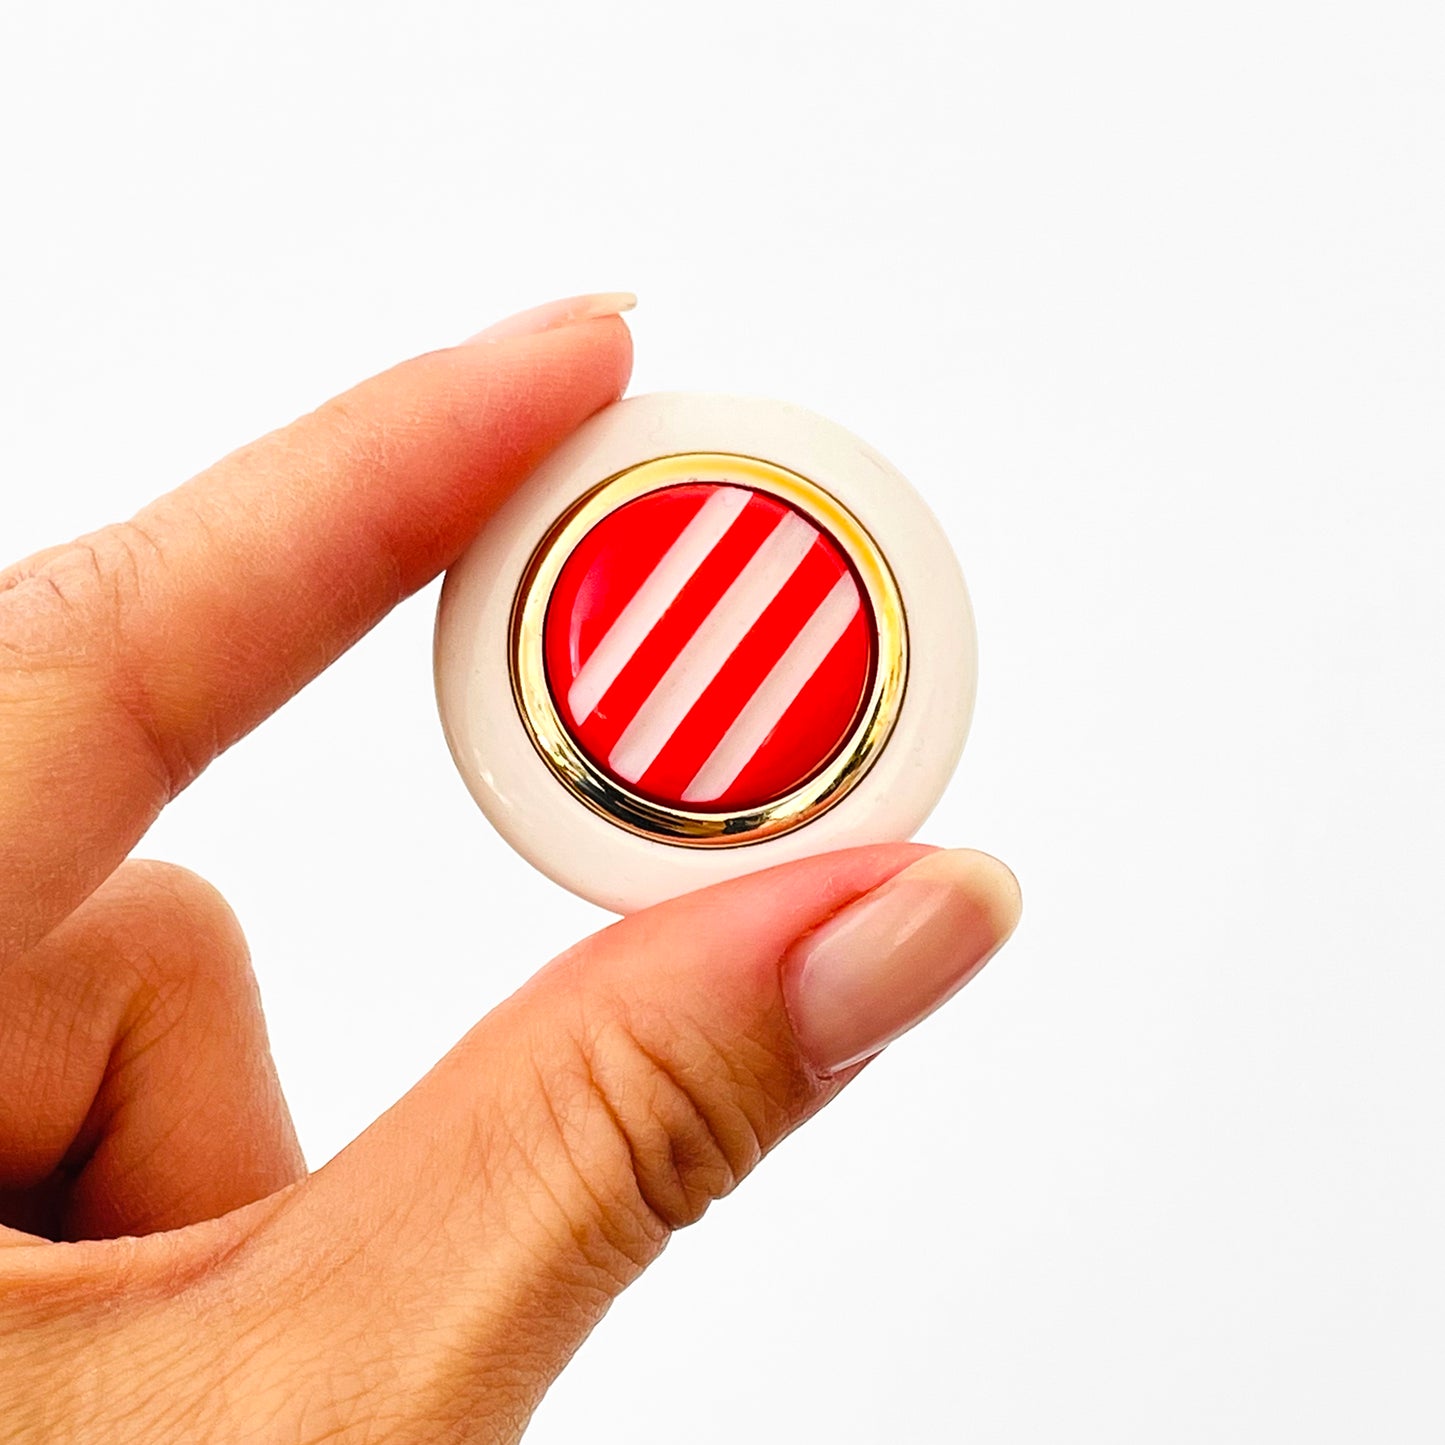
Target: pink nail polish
x=891, y=958
x=555, y=314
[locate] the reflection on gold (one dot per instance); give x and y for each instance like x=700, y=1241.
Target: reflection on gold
x=604, y=795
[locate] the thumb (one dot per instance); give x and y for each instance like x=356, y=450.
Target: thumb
x=472, y=1237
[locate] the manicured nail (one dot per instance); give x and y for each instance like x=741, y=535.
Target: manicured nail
x=890, y=958
x=558, y=313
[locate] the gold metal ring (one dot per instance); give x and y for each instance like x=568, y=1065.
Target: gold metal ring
x=605, y=795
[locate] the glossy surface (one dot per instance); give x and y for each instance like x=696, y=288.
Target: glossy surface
x=708, y=646
x=509, y=738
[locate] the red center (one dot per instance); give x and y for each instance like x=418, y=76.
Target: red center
x=709, y=647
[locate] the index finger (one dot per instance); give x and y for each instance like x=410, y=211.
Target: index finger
x=131, y=657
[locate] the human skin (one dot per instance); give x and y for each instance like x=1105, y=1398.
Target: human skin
x=169, y=1271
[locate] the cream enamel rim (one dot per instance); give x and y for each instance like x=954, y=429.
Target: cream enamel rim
x=517, y=789
x=683, y=827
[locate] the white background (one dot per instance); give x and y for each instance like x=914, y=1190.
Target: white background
x=1147, y=299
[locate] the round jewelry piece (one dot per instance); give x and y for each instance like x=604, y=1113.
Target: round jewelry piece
x=707, y=635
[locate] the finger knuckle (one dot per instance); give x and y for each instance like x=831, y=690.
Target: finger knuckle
x=187, y=938
x=68, y=618
x=93, y=578
x=663, y=1120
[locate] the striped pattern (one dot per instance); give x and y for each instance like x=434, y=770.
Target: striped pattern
x=765, y=708
x=653, y=598
x=711, y=646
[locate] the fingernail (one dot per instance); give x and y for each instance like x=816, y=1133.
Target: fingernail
x=890, y=958
x=558, y=313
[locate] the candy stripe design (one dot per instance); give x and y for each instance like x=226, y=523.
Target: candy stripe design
x=711, y=646
x=654, y=597
x=779, y=690
x=708, y=645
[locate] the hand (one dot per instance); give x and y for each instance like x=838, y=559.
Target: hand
x=431, y=1280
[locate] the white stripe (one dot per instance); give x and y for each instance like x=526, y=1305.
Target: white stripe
x=658, y=592
x=776, y=693
x=710, y=646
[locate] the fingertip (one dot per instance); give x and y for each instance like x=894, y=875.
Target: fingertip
x=778, y=903
x=463, y=427
x=582, y=367
x=893, y=956
x=989, y=884
x=553, y=315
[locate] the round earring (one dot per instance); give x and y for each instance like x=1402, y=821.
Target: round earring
x=707, y=635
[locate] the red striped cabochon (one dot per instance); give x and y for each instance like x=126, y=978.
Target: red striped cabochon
x=709, y=647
